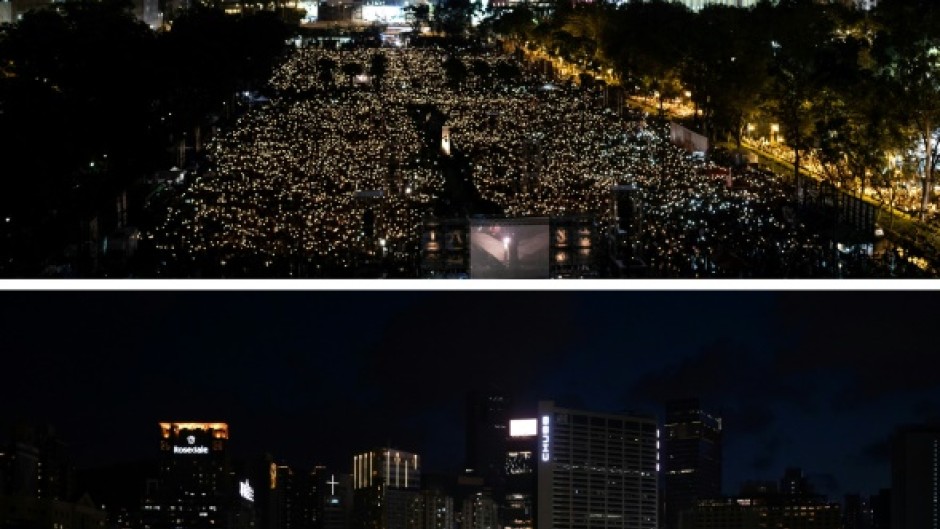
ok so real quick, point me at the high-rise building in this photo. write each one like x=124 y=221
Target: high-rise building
x=487 y=419
x=915 y=478
x=596 y=470
x=857 y=512
x=385 y=483
x=881 y=509
x=37 y=484
x=480 y=511
x=794 y=483
x=520 y=470
x=335 y=500
x=197 y=487
x=432 y=509
x=691 y=458
x=762 y=505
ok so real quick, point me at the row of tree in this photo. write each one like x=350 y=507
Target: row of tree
x=858 y=87
x=90 y=97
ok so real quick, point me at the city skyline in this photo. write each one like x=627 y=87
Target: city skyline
x=316 y=377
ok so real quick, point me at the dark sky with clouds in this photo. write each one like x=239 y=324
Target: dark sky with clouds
x=810 y=379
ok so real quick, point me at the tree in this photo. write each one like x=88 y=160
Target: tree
x=725 y=70
x=325 y=67
x=481 y=71
x=453 y=17
x=517 y=23
x=908 y=50
x=796 y=29
x=378 y=67
x=418 y=15
x=351 y=70
x=646 y=43
x=456 y=71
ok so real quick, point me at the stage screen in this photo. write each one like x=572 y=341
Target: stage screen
x=509 y=248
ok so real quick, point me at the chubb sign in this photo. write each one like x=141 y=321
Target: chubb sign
x=546 y=439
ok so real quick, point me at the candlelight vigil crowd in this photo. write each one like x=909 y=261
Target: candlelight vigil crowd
x=344 y=162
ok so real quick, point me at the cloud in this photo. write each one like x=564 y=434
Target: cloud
x=824 y=483
x=766 y=457
x=733 y=382
x=443 y=346
x=874 y=453
x=880 y=341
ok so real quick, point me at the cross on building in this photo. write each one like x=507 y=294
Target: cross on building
x=332 y=483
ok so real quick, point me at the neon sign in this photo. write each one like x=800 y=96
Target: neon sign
x=245 y=490
x=190 y=449
x=546 y=456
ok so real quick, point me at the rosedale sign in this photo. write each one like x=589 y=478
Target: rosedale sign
x=190 y=449
x=191 y=439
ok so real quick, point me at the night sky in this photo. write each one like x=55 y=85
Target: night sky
x=817 y=380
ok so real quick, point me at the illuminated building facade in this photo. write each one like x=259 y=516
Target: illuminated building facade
x=480 y=511
x=691 y=463
x=520 y=469
x=385 y=485
x=596 y=470
x=432 y=509
x=197 y=488
x=915 y=477
x=336 y=498
x=762 y=512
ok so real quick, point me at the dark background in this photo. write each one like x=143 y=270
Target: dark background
x=811 y=379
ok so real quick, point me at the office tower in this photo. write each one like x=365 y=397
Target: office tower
x=762 y=505
x=432 y=509
x=794 y=483
x=276 y=488
x=761 y=513
x=480 y=511
x=596 y=470
x=38 y=464
x=36 y=484
x=520 y=470
x=197 y=487
x=857 y=512
x=487 y=418
x=691 y=457
x=915 y=455
x=385 y=482
x=881 y=510
x=335 y=499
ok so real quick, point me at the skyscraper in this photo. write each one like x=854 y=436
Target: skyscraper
x=487 y=419
x=520 y=470
x=596 y=470
x=197 y=487
x=691 y=458
x=915 y=459
x=385 y=483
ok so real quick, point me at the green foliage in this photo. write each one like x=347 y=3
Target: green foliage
x=88 y=82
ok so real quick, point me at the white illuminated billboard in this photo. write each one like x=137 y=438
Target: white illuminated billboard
x=523 y=427
x=509 y=248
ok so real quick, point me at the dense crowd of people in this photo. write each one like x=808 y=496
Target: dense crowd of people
x=338 y=165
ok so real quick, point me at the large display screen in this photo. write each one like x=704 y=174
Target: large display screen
x=509 y=248
x=523 y=427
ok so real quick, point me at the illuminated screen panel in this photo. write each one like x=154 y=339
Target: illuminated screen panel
x=523 y=427
x=509 y=248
